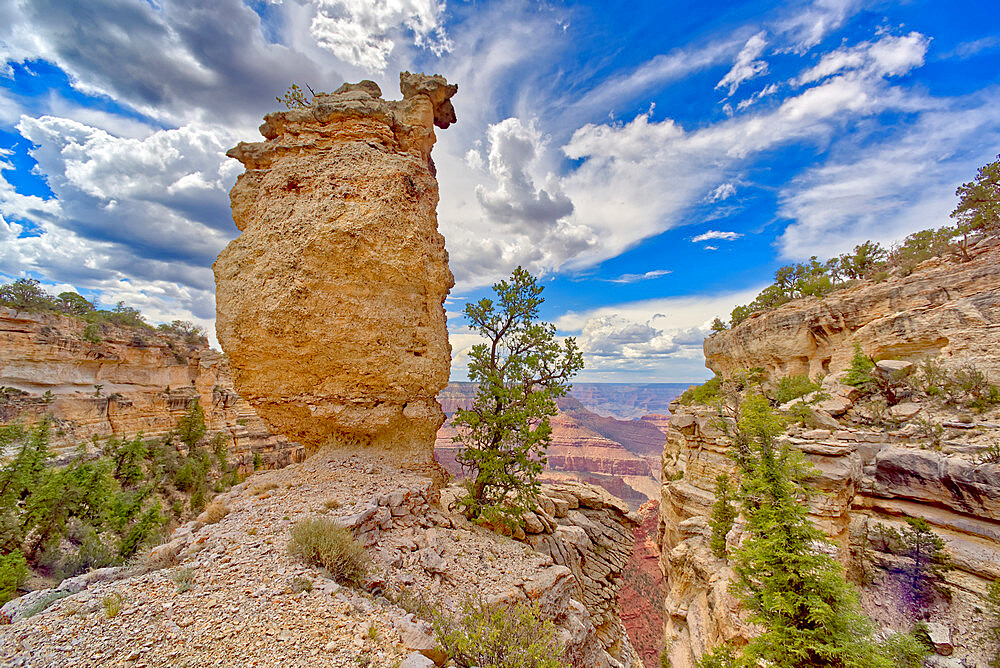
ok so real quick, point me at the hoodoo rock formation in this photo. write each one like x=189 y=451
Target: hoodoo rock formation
x=330 y=301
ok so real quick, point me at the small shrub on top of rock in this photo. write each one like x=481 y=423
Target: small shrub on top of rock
x=323 y=542
x=499 y=636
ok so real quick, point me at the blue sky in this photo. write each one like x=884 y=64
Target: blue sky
x=652 y=162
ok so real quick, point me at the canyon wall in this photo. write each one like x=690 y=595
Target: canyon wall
x=330 y=300
x=121 y=381
x=947 y=309
x=875 y=467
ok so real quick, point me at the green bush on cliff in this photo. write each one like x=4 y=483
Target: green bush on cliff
x=723 y=515
x=61 y=520
x=793 y=387
x=707 y=393
x=499 y=636
x=13 y=571
x=519 y=372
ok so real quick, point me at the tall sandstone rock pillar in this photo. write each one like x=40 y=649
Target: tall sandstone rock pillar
x=330 y=302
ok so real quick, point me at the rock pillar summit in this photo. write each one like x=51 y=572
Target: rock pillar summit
x=330 y=302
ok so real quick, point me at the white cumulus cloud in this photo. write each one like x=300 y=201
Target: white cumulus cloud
x=747 y=65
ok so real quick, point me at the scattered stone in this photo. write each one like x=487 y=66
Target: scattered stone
x=905 y=411
x=893 y=368
x=940 y=636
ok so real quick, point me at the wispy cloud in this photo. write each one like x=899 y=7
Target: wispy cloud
x=635 y=278
x=747 y=65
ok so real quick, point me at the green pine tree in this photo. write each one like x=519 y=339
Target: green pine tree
x=519 y=372
x=794 y=590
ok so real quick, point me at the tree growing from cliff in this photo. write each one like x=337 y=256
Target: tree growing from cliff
x=519 y=370
x=791 y=587
x=723 y=514
x=979 y=201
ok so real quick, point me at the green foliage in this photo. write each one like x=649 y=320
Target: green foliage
x=723 y=656
x=859 y=374
x=519 y=371
x=499 y=636
x=794 y=591
x=13 y=571
x=793 y=387
x=323 y=542
x=921 y=246
x=718 y=325
x=191 y=426
x=979 y=201
x=191 y=333
x=25 y=294
x=927 y=562
x=723 y=514
x=907 y=650
x=295 y=98
x=707 y=393
x=91 y=512
x=92 y=333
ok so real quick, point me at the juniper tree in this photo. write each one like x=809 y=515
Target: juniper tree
x=519 y=370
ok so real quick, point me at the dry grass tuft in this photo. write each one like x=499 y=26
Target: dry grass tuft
x=321 y=541
x=215 y=512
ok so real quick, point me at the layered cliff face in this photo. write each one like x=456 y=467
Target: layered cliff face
x=123 y=382
x=330 y=301
x=948 y=309
x=921 y=453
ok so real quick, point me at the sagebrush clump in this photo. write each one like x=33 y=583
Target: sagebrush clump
x=323 y=542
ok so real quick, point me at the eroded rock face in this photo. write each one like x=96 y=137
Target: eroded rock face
x=944 y=308
x=330 y=301
x=127 y=381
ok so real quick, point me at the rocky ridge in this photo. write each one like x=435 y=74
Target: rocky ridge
x=248 y=602
x=130 y=381
x=920 y=455
x=945 y=309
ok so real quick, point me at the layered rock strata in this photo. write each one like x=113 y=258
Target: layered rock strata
x=945 y=309
x=330 y=301
x=120 y=381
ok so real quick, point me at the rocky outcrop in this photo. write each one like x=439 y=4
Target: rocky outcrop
x=121 y=381
x=330 y=301
x=587 y=530
x=945 y=308
x=246 y=596
x=917 y=452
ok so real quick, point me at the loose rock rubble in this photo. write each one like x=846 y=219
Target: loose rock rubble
x=252 y=604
